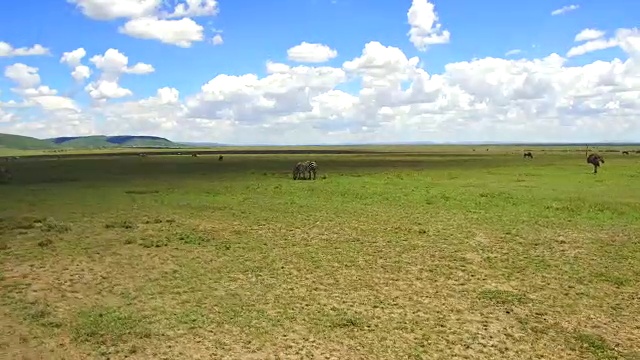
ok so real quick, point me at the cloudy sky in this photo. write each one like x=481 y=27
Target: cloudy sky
x=322 y=71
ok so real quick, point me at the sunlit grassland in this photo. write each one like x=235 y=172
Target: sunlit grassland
x=432 y=149
x=424 y=255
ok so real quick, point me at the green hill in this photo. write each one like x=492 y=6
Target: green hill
x=19 y=142
x=83 y=142
x=101 y=141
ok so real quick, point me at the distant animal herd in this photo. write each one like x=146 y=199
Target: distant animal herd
x=307 y=170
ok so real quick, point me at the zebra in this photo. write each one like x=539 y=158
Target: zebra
x=528 y=154
x=595 y=160
x=312 y=168
x=305 y=167
x=298 y=170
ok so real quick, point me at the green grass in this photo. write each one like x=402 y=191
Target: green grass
x=419 y=253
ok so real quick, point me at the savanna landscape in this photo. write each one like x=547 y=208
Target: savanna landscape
x=412 y=252
x=319 y=179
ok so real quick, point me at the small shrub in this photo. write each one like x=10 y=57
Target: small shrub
x=121 y=224
x=153 y=242
x=52 y=225
x=45 y=243
x=503 y=297
x=191 y=238
x=108 y=326
x=20 y=222
x=158 y=220
x=596 y=345
x=153 y=221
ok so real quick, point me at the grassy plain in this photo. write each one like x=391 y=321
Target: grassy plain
x=434 y=254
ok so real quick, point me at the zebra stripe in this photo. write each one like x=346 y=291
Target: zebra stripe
x=312 y=167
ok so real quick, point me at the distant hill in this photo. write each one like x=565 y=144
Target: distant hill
x=102 y=141
x=84 y=142
x=10 y=141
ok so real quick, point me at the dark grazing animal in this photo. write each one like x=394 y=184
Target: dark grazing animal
x=194 y=155
x=5 y=174
x=625 y=153
x=528 y=154
x=220 y=158
x=595 y=160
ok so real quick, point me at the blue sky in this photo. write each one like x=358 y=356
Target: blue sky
x=257 y=31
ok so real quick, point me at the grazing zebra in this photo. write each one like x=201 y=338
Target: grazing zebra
x=5 y=174
x=142 y=155
x=301 y=169
x=312 y=168
x=308 y=167
x=528 y=154
x=595 y=160
x=220 y=158
x=625 y=153
x=298 y=170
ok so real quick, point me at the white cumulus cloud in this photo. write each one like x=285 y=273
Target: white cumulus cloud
x=311 y=53
x=114 y=9
x=27 y=80
x=74 y=60
x=217 y=39
x=426 y=29
x=7 y=50
x=382 y=93
x=180 y=33
x=589 y=34
x=113 y=64
x=154 y=19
